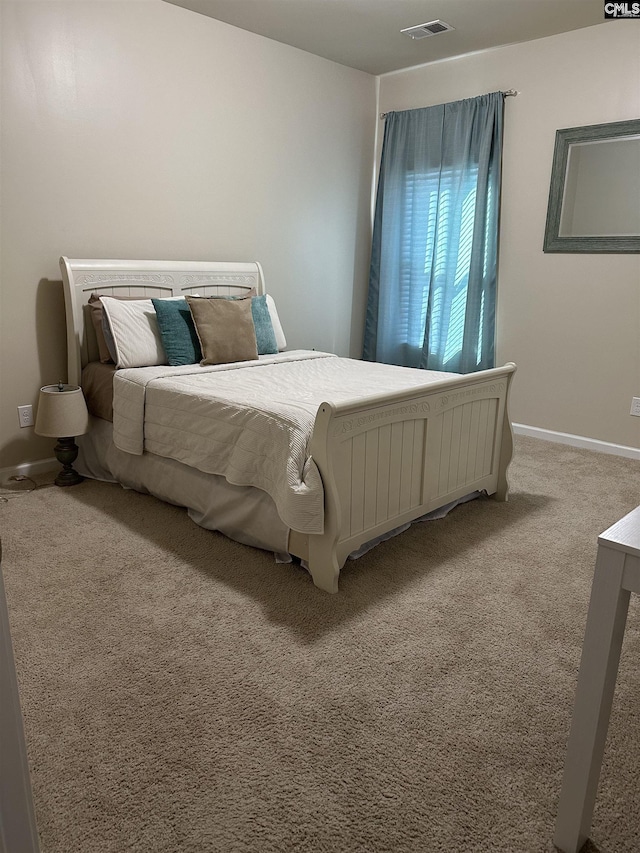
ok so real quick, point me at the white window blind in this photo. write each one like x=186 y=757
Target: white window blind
x=440 y=208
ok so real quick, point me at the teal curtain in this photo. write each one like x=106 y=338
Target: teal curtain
x=432 y=284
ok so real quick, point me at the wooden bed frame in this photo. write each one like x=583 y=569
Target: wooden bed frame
x=384 y=460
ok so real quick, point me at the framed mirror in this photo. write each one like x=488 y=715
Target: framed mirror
x=594 y=198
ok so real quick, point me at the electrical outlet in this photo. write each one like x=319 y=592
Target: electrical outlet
x=635 y=406
x=25 y=416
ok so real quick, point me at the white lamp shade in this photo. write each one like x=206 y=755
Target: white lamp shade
x=62 y=412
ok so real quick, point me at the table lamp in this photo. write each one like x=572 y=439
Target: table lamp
x=62 y=414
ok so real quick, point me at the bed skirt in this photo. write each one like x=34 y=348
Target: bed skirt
x=243 y=513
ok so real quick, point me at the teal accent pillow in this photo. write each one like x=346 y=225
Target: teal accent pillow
x=178 y=331
x=265 y=336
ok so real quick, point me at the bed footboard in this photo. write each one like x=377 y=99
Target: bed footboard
x=388 y=460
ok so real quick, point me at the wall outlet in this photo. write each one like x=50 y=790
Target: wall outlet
x=25 y=416
x=635 y=406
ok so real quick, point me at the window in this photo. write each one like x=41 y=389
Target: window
x=432 y=279
x=444 y=211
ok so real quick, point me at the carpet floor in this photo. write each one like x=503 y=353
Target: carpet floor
x=182 y=692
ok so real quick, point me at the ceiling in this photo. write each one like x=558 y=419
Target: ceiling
x=365 y=34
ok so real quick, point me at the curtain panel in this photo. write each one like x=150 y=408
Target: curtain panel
x=432 y=283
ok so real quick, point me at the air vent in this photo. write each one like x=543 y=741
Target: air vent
x=423 y=31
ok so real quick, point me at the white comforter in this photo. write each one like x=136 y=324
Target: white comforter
x=249 y=421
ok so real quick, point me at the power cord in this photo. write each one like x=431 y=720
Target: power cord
x=9 y=494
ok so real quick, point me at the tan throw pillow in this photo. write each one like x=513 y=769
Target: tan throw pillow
x=225 y=329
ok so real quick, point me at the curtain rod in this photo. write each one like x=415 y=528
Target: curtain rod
x=510 y=93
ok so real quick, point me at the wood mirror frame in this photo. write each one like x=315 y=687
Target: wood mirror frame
x=565 y=138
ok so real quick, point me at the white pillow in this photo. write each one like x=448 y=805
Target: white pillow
x=135 y=331
x=275 y=322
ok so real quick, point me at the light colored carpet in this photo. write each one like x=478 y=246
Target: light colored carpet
x=182 y=692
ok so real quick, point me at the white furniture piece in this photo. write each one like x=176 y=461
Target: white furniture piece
x=384 y=460
x=18 y=828
x=616 y=575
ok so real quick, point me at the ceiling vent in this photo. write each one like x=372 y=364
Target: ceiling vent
x=423 y=31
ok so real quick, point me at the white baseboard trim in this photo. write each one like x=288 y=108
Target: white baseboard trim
x=26 y=469
x=577 y=441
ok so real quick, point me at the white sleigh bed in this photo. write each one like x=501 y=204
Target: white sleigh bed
x=383 y=459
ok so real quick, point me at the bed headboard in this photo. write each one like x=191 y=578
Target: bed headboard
x=145 y=279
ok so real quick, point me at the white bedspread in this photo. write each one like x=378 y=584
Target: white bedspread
x=249 y=421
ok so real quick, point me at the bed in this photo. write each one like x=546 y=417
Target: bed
x=379 y=452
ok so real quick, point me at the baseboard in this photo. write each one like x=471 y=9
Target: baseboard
x=577 y=441
x=27 y=469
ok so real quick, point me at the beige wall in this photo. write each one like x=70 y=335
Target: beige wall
x=570 y=322
x=142 y=130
